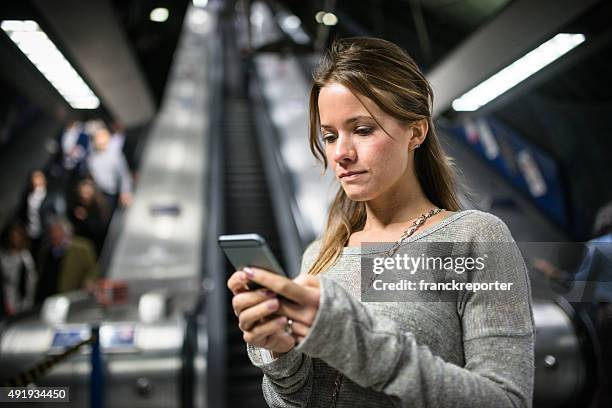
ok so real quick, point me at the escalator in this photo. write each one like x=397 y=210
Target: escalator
x=248 y=209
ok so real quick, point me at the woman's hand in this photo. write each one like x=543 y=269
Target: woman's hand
x=301 y=297
x=256 y=315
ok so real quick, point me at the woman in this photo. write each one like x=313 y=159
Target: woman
x=17 y=270
x=321 y=346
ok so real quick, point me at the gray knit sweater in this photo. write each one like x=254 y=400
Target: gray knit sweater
x=476 y=352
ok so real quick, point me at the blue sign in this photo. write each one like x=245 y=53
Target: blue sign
x=527 y=167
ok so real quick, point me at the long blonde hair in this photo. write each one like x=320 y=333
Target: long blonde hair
x=386 y=74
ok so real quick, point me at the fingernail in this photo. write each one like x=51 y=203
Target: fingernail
x=281 y=321
x=248 y=272
x=272 y=304
x=243 y=277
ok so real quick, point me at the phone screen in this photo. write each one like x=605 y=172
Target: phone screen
x=244 y=250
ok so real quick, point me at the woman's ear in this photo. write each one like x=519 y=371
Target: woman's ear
x=419 y=133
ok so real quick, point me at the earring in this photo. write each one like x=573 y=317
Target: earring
x=417 y=146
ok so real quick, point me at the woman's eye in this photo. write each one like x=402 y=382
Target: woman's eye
x=329 y=137
x=364 y=131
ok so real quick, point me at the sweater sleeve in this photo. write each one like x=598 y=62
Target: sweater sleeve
x=372 y=351
x=288 y=379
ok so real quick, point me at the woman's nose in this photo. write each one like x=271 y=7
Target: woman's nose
x=345 y=150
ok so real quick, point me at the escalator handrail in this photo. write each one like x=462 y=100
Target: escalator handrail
x=292 y=228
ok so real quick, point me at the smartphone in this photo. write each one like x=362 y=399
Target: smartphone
x=249 y=250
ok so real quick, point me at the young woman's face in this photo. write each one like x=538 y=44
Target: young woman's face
x=364 y=158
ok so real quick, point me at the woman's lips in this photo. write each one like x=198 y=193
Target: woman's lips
x=352 y=175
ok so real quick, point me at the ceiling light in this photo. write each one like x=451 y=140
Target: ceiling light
x=292 y=26
x=200 y=3
x=199 y=20
x=329 y=19
x=159 y=14
x=517 y=72
x=41 y=51
x=319 y=17
x=290 y=22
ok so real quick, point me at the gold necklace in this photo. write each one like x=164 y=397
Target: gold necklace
x=415 y=226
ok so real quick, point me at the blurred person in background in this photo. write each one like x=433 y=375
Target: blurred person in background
x=108 y=168
x=3 y=312
x=75 y=145
x=117 y=138
x=89 y=213
x=595 y=267
x=18 y=272
x=66 y=262
x=38 y=204
x=602 y=228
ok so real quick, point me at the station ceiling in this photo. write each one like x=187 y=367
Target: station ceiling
x=565 y=110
